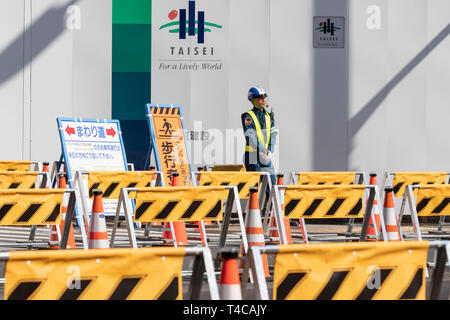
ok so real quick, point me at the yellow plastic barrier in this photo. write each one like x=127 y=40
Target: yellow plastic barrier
x=325 y=202
x=402 y=179
x=326 y=178
x=15 y=165
x=103 y=274
x=170 y=204
x=30 y=207
x=228 y=167
x=180 y=204
x=243 y=180
x=315 y=202
x=425 y=201
x=110 y=182
x=36 y=207
x=347 y=271
x=18 y=179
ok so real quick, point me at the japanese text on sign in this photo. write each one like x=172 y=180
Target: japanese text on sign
x=170 y=144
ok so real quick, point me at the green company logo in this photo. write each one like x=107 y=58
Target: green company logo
x=187 y=24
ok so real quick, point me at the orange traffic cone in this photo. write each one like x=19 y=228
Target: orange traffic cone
x=229 y=283
x=376 y=213
x=98 y=234
x=46 y=168
x=53 y=235
x=273 y=231
x=152 y=184
x=62 y=184
x=390 y=217
x=253 y=227
x=206 y=222
x=178 y=226
x=199 y=175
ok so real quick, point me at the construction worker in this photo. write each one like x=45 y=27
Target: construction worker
x=260 y=135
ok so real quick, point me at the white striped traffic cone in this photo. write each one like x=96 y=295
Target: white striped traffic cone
x=153 y=183
x=376 y=213
x=53 y=238
x=254 y=229
x=390 y=217
x=98 y=234
x=229 y=284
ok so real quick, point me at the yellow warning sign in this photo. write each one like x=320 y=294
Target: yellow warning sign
x=170 y=142
x=351 y=271
x=402 y=179
x=326 y=178
x=100 y=274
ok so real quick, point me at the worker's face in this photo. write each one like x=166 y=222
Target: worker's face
x=260 y=102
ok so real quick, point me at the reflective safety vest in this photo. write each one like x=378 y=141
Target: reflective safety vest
x=259 y=133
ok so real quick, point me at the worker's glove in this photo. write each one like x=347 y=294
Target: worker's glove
x=273 y=132
x=265 y=157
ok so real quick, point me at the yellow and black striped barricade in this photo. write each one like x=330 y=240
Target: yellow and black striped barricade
x=326 y=202
x=16 y=165
x=228 y=167
x=110 y=182
x=14 y=179
x=243 y=180
x=169 y=204
x=326 y=178
x=399 y=181
x=106 y=274
x=425 y=201
x=36 y=207
x=23 y=179
x=347 y=271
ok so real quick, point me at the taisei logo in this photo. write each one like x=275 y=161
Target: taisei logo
x=187 y=23
x=327 y=27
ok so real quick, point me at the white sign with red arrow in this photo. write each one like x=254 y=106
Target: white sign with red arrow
x=90 y=131
x=92 y=146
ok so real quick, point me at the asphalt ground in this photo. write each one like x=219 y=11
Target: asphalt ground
x=20 y=234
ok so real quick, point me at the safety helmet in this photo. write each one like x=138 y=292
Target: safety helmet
x=256 y=92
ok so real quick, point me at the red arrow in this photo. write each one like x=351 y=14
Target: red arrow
x=110 y=132
x=70 y=130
